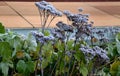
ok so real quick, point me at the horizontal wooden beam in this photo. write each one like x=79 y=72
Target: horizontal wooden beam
x=64 y=0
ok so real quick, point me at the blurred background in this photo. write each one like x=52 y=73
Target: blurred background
x=24 y=13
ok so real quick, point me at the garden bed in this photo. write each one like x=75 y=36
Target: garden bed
x=76 y=49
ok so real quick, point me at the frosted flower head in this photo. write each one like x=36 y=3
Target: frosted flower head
x=50 y=8
x=68 y=53
x=100 y=52
x=64 y=26
x=44 y=2
x=80 y=9
x=66 y=12
x=50 y=38
x=90 y=53
x=37 y=34
x=84 y=30
x=57 y=33
x=41 y=38
x=86 y=15
x=58 y=13
x=45 y=6
x=41 y=7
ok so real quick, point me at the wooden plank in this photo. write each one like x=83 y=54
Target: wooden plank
x=64 y=0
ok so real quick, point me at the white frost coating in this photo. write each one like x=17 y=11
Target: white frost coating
x=45 y=6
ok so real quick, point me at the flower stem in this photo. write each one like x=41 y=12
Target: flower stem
x=72 y=69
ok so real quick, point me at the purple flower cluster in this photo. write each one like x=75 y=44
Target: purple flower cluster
x=45 y=6
x=84 y=30
x=100 y=52
x=76 y=18
x=80 y=9
x=80 y=22
x=90 y=53
x=68 y=53
x=41 y=38
x=57 y=33
x=62 y=30
x=64 y=27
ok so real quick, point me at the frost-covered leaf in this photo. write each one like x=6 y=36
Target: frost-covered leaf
x=16 y=43
x=4 y=67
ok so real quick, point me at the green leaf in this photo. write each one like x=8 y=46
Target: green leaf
x=79 y=56
x=118 y=73
x=118 y=42
x=62 y=67
x=21 y=66
x=25 y=68
x=30 y=66
x=114 y=69
x=110 y=49
x=46 y=33
x=70 y=44
x=2 y=28
x=106 y=70
x=14 y=53
x=44 y=63
x=30 y=43
x=4 y=67
x=60 y=46
x=84 y=70
x=27 y=56
x=5 y=51
x=16 y=42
